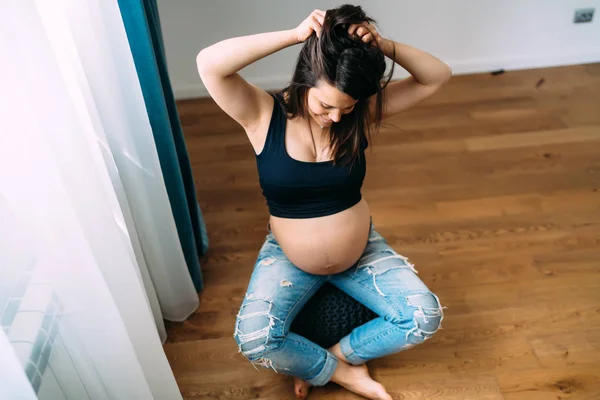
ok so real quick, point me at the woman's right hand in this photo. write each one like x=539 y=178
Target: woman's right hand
x=314 y=23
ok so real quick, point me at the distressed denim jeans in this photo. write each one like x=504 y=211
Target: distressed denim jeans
x=382 y=280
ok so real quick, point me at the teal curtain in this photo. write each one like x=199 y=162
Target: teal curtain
x=142 y=25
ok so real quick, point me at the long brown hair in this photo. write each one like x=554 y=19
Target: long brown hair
x=353 y=67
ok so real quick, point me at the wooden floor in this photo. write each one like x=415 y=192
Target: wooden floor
x=491 y=188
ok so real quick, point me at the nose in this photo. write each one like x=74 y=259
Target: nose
x=335 y=116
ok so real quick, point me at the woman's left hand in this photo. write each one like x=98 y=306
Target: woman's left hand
x=365 y=32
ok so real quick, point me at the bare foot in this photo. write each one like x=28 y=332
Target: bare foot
x=301 y=388
x=337 y=350
x=356 y=378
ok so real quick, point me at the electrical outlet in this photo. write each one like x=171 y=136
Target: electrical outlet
x=583 y=15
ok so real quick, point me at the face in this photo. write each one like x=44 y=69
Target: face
x=327 y=104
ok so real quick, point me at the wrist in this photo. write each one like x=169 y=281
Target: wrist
x=292 y=37
x=387 y=46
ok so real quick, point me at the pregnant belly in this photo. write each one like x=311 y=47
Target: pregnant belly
x=324 y=245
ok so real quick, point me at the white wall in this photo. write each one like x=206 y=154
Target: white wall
x=472 y=36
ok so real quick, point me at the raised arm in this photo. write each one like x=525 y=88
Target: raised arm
x=428 y=73
x=219 y=64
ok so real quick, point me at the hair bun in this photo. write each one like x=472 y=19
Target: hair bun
x=356 y=67
x=335 y=28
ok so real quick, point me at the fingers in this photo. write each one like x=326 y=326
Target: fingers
x=316 y=25
x=364 y=32
x=359 y=31
x=352 y=29
x=320 y=18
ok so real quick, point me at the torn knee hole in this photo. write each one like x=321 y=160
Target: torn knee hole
x=427 y=316
x=386 y=261
x=253 y=326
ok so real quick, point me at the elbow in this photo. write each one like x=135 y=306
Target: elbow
x=442 y=76
x=202 y=62
x=205 y=62
x=445 y=74
x=438 y=76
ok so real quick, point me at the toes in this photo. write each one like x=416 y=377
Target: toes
x=382 y=393
x=300 y=388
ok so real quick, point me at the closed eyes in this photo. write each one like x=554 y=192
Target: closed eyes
x=328 y=107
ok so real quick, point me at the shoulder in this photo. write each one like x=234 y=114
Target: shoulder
x=272 y=118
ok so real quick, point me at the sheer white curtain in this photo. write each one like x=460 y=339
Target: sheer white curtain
x=89 y=254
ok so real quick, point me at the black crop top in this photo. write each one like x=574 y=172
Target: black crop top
x=300 y=189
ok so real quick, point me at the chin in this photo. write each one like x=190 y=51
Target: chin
x=319 y=119
x=324 y=122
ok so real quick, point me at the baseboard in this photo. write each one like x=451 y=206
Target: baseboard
x=519 y=62
x=458 y=67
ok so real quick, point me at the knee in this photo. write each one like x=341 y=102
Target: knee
x=427 y=316
x=257 y=331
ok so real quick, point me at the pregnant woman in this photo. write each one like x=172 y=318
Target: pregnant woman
x=310 y=142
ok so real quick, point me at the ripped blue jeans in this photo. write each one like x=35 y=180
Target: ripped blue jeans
x=382 y=280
